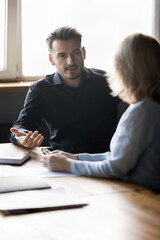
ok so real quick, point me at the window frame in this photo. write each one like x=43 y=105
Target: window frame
x=156 y=19
x=13 y=47
x=13 y=72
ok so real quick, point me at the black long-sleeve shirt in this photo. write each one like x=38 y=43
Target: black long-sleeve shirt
x=79 y=119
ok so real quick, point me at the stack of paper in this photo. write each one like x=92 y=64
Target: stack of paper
x=28 y=194
x=21 y=183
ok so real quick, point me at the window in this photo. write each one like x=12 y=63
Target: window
x=103 y=24
x=10 y=59
x=2 y=34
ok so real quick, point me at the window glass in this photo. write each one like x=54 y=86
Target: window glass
x=102 y=23
x=2 y=33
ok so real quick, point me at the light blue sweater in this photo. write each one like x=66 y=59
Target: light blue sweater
x=134 y=149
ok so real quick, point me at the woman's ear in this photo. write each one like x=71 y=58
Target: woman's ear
x=51 y=59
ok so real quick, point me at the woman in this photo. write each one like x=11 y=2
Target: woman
x=134 y=154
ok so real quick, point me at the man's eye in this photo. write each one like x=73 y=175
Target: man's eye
x=76 y=52
x=62 y=56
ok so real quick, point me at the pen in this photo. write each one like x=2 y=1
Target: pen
x=22 y=137
x=46 y=151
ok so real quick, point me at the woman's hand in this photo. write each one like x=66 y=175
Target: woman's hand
x=57 y=161
x=69 y=155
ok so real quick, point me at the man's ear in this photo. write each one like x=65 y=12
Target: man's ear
x=84 y=52
x=51 y=59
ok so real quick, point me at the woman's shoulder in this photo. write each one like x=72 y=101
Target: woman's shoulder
x=146 y=112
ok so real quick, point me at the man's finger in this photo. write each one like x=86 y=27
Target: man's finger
x=39 y=141
x=32 y=141
x=27 y=137
x=16 y=132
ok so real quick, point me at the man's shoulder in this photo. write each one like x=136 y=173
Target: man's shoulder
x=94 y=72
x=47 y=80
x=99 y=82
x=98 y=72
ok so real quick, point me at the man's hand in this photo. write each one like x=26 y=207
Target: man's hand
x=28 y=140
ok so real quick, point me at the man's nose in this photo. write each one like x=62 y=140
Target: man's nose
x=70 y=60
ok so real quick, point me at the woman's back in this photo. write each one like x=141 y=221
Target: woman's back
x=147 y=170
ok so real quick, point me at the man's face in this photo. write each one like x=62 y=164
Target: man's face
x=68 y=57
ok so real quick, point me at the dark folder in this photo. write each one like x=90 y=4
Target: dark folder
x=37 y=201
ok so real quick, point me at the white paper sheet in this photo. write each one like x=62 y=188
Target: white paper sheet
x=39 y=171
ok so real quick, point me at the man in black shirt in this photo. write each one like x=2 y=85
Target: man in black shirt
x=75 y=102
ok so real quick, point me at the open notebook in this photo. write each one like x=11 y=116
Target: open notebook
x=12 y=154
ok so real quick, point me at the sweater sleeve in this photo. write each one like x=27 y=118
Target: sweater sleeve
x=92 y=157
x=132 y=136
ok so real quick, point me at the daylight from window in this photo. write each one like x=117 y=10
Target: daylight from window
x=103 y=24
x=2 y=34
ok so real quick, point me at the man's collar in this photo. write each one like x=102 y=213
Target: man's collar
x=57 y=79
x=86 y=73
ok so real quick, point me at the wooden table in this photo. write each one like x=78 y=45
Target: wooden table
x=116 y=211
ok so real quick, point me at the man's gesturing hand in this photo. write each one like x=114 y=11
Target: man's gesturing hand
x=28 y=140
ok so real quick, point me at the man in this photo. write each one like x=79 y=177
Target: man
x=75 y=102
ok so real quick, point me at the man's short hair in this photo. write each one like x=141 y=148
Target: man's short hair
x=63 y=33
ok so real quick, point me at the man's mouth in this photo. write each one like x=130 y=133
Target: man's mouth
x=74 y=67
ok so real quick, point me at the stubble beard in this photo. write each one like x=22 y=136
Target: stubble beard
x=76 y=76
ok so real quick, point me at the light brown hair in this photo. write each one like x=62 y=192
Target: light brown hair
x=137 y=69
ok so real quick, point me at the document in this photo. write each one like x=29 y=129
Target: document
x=45 y=173
x=21 y=183
x=35 y=171
x=37 y=200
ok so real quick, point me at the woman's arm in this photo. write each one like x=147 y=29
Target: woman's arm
x=133 y=135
